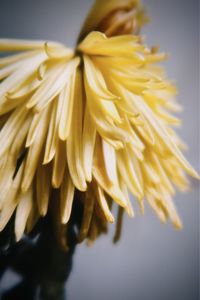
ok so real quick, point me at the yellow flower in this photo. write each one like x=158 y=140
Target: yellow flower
x=98 y=121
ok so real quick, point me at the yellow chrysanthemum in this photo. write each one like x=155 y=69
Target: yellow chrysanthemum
x=97 y=120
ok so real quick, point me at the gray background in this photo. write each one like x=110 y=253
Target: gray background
x=152 y=261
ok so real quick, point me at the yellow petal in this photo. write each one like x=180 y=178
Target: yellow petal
x=66 y=198
x=10 y=202
x=11 y=59
x=23 y=210
x=32 y=218
x=112 y=190
x=59 y=164
x=67 y=99
x=25 y=90
x=52 y=136
x=7 y=45
x=87 y=215
x=74 y=141
x=109 y=157
x=128 y=208
x=159 y=212
x=20 y=75
x=7 y=172
x=163 y=134
x=126 y=169
x=58 y=52
x=43 y=188
x=96 y=43
x=170 y=207
x=52 y=85
x=104 y=206
x=11 y=127
x=89 y=137
x=34 y=152
x=95 y=96
x=96 y=80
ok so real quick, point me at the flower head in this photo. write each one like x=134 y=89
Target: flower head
x=98 y=121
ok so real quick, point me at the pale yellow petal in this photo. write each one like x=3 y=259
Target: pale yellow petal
x=11 y=128
x=112 y=190
x=87 y=215
x=129 y=209
x=104 y=205
x=22 y=212
x=11 y=59
x=35 y=150
x=7 y=45
x=66 y=198
x=59 y=164
x=126 y=168
x=159 y=212
x=74 y=141
x=163 y=135
x=96 y=80
x=32 y=218
x=96 y=43
x=58 y=52
x=89 y=137
x=10 y=202
x=52 y=136
x=43 y=188
x=21 y=74
x=109 y=157
x=67 y=99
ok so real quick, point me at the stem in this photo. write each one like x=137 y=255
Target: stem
x=44 y=266
x=57 y=264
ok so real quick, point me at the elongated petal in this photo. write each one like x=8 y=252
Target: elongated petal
x=10 y=129
x=22 y=45
x=109 y=156
x=53 y=85
x=20 y=75
x=104 y=206
x=23 y=210
x=112 y=190
x=43 y=188
x=96 y=80
x=87 y=215
x=164 y=136
x=11 y=201
x=126 y=169
x=59 y=164
x=34 y=152
x=11 y=59
x=67 y=97
x=89 y=137
x=52 y=137
x=74 y=141
x=66 y=198
x=96 y=43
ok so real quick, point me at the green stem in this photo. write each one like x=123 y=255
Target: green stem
x=44 y=266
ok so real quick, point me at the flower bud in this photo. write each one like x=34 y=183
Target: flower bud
x=114 y=17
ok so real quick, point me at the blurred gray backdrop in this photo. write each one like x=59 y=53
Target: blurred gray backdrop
x=152 y=261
